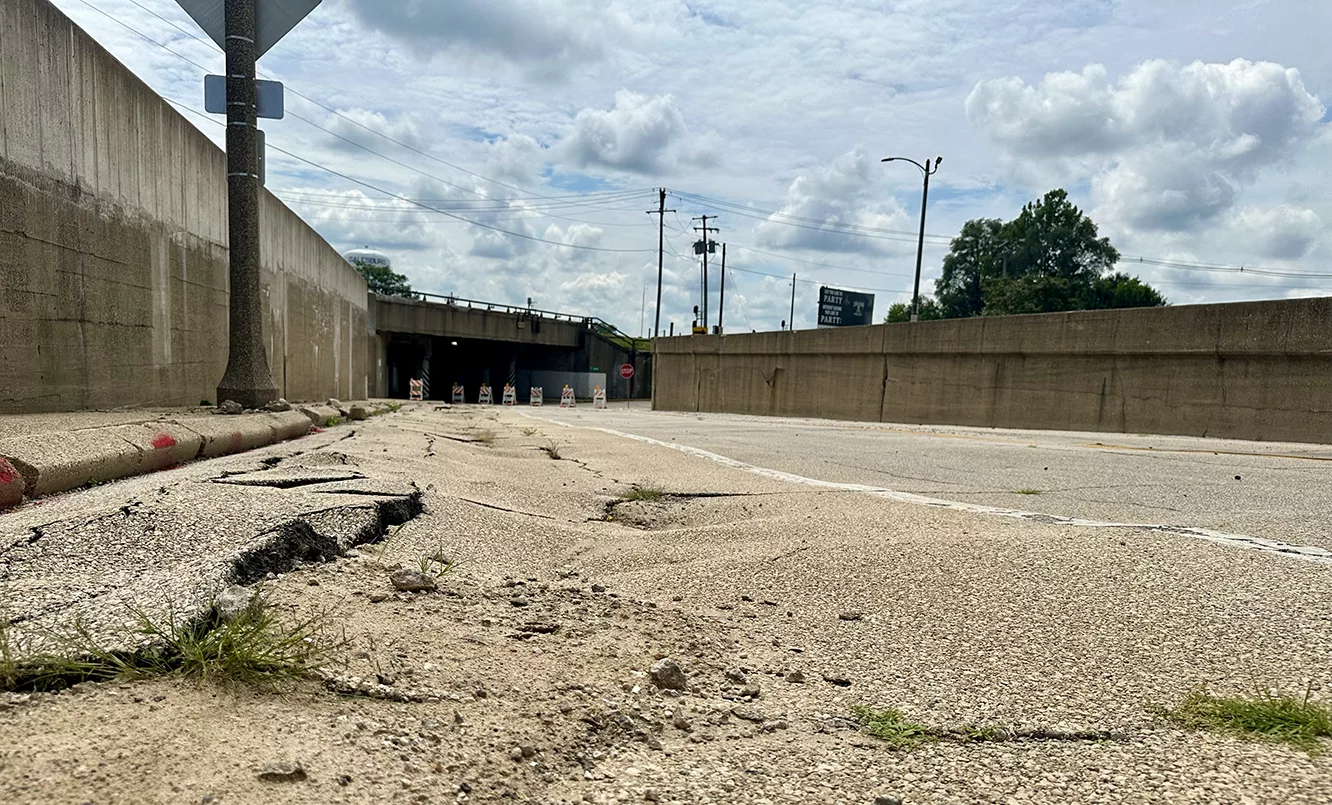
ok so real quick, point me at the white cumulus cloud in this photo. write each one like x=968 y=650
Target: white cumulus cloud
x=851 y=190
x=1166 y=147
x=639 y=134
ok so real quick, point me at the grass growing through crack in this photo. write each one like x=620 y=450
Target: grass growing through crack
x=1029 y=492
x=529 y=431
x=894 y=728
x=251 y=648
x=334 y=421
x=552 y=449
x=484 y=436
x=644 y=492
x=1277 y=717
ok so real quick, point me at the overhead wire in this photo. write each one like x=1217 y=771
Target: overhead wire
x=365 y=184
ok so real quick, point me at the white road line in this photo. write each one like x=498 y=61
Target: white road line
x=1306 y=552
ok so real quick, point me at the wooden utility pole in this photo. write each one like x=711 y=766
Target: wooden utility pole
x=707 y=245
x=661 y=250
x=721 y=308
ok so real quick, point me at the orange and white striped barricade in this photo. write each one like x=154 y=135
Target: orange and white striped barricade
x=417 y=392
x=458 y=396
x=538 y=396
x=567 y=399
x=599 y=398
x=485 y=397
x=510 y=395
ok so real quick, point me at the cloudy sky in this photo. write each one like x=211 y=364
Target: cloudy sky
x=532 y=135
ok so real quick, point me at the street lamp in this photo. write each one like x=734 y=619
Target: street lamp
x=928 y=170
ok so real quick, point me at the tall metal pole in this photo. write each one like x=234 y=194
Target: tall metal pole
x=920 y=246
x=793 y=284
x=247 y=379
x=721 y=308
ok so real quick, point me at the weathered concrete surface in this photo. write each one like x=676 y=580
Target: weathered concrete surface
x=113 y=233
x=1252 y=370
x=395 y=315
x=544 y=634
x=50 y=461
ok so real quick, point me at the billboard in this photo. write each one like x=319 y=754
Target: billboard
x=838 y=308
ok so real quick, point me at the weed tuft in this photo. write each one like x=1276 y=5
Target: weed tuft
x=394 y=407
x=529 y=431
x=552 y=448
x=333 y=422
x=484 y=436
x=893 y=728
x=1294 y=720
x=644 y=492
x=249 y=648
x=1030 y=492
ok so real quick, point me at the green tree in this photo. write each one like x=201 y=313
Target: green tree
x=901 y=311
x=1050 y=258
x=383 y=280
x=971 y=258
x=1120 y=290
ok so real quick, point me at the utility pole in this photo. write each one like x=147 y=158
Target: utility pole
x=661 y=250
x=247 y=379
x=721 y=308
x=707 y=246
x=793 y=284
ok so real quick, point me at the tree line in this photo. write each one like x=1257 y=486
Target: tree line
x=1048 y=259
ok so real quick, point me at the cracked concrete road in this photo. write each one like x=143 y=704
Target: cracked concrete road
x=1272 y=491
x=525 y=677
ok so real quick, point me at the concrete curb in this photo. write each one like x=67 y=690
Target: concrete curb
x=47 y=463
x=11 y=485
x=55 y=462
x=320 y=415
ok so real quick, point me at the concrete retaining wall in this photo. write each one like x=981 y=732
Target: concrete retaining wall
x=1253 y=370
x=113 y=244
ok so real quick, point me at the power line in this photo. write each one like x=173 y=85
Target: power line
x=802 y=222
x=391 y=194
x=328 y=109
x=352 y=142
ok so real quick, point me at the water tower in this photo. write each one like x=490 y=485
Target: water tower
x=368 y=257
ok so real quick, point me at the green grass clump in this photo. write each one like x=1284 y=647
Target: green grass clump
x=1029 y=492
x=894 y=728
x=645 y=492
x=249 y=648
x=552 y=449
x=529 y=431
x=333 y=422
x=1294 y=720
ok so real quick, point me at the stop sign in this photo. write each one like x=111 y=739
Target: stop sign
x=627 y=371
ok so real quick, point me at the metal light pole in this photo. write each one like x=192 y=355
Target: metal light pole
x=247 y=380
x=928 y=170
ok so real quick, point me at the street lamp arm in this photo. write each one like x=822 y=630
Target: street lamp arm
x=906 y=159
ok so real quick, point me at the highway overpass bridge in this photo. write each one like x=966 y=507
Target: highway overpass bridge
x=447 y=339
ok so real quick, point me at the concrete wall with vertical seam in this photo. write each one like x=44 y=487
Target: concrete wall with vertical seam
x=113 y=244
x=1250 y=370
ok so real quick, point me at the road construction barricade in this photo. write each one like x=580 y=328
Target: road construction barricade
x=599 y=398
x=485 y=397
x=567 y=399
x=538 y=396
x=510 y=395
x=417 y=392
x=458 y=396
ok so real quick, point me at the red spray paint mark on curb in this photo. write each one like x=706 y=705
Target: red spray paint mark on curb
x=164 y=441
x=8 y=474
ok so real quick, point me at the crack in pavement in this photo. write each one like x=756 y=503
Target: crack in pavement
x=1307 y=553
